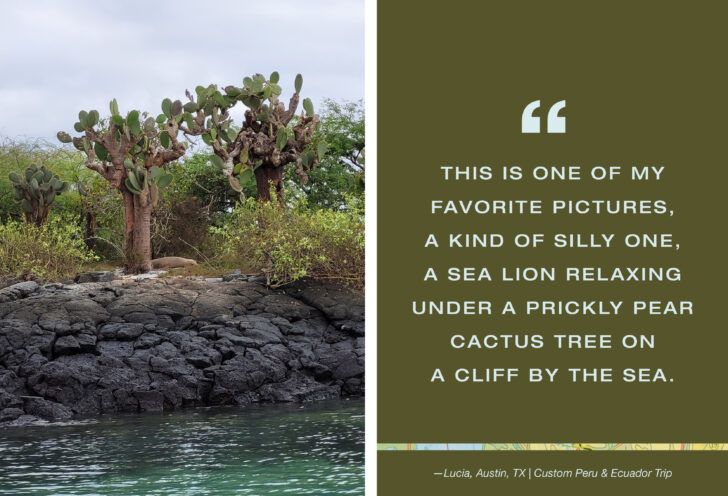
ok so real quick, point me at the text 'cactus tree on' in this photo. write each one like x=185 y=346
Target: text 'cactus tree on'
x=36 y=190
x=270 y=137
x=132 y=155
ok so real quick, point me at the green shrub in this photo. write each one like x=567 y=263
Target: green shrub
x=290 y=244
x=50 y=252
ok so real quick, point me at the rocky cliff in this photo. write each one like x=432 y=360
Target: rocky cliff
x=69 y=351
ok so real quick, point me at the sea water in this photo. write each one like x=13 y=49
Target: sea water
x=291 y=449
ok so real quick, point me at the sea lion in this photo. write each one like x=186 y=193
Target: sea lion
x=172 y=262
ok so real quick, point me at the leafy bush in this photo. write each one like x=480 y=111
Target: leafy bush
x=102 y=218
x=180 y=228
x=290 y=244
x=53 y=251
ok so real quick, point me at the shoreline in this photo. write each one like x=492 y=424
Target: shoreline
x=69 y=351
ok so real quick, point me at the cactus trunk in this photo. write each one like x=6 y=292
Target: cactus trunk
x=88 y=217
x=39 y=216
x=269 y=176
x=138 y=215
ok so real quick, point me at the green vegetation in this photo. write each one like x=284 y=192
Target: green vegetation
x=290 y=244
x=270 y=138
x=132 y=154
x=36 y=191
x=52 y=251
x=341 y=171
x=17 y=155
x=224 y=221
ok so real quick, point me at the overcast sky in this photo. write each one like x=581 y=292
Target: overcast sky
x=61 y=57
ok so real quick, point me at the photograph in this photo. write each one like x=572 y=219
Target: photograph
x=182 y=248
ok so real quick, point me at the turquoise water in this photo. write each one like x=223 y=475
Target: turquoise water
x=317 y=449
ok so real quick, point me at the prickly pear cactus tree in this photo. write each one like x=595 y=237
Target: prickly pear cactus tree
x=36 y=190
x=133 y=154
x=270 y=138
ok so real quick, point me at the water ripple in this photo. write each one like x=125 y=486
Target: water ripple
x=318 y=449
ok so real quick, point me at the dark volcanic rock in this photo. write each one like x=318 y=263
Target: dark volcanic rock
x=67 y=345
x=17 y=291
x=84 y=349
x=104 y=276
x=10 y=414
x=48 y=410
x=235 y=275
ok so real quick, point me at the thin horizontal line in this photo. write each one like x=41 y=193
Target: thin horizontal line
x=552 y=447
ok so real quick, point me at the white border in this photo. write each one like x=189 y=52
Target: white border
x=370 y=78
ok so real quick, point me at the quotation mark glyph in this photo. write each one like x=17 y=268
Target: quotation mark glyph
x=554 y=124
